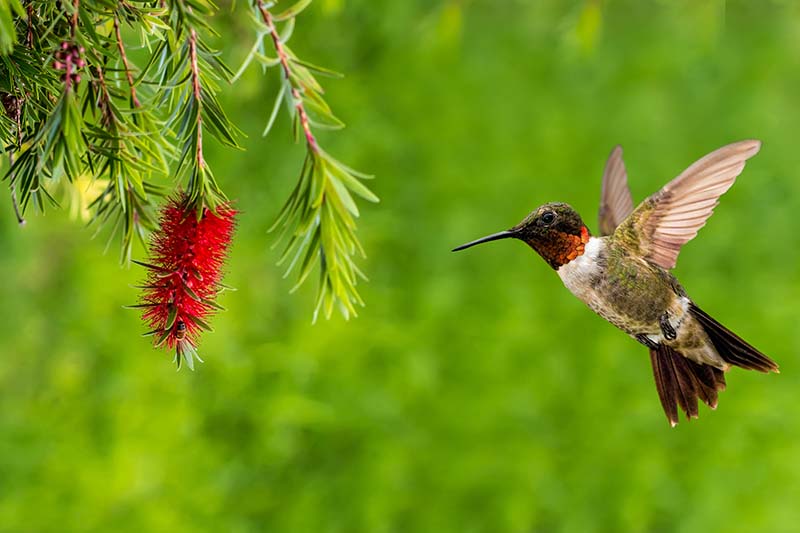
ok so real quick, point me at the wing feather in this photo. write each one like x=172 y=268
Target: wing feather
x=615 y=197
x=670 y=218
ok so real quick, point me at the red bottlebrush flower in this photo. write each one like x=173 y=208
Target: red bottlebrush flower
x=184 y=273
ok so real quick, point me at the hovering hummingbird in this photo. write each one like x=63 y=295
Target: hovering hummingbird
x=624 y=274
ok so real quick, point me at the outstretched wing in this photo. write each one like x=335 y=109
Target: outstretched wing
x=671 y=217
x=615 y=197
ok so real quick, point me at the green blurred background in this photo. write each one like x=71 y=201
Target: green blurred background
x=473 y=393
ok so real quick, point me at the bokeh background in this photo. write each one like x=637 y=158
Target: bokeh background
x=473 y=393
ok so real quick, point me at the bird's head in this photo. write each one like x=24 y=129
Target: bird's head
x=554 y=230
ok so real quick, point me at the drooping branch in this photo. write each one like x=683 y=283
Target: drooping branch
x=319 y=216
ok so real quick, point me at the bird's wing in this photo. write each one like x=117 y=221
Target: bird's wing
x=671 y=217
x=615 y=197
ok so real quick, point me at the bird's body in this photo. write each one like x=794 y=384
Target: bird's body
x=639 y=298
x=624 y=274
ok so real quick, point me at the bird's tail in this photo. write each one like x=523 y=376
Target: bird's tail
x=730 y=346
x=681 y=382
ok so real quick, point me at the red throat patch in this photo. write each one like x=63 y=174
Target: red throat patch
x=559 y=248
x=562 y=248
x=576 y=245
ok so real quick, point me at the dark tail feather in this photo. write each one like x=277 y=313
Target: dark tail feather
x=680 y=382
x=730 y=346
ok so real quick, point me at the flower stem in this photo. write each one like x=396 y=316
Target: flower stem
x=124 y=58
x=197 y=96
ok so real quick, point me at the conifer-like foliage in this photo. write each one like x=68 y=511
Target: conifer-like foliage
x=83 y=122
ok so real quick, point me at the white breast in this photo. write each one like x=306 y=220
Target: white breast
x=577 y=274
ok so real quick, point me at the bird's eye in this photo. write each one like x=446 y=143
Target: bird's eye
x=548 y=218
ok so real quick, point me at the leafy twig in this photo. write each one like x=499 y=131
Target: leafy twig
x=319 y=215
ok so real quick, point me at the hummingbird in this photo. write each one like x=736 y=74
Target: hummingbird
x=624 y=275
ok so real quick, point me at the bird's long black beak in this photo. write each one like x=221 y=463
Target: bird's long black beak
x=508 y=234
